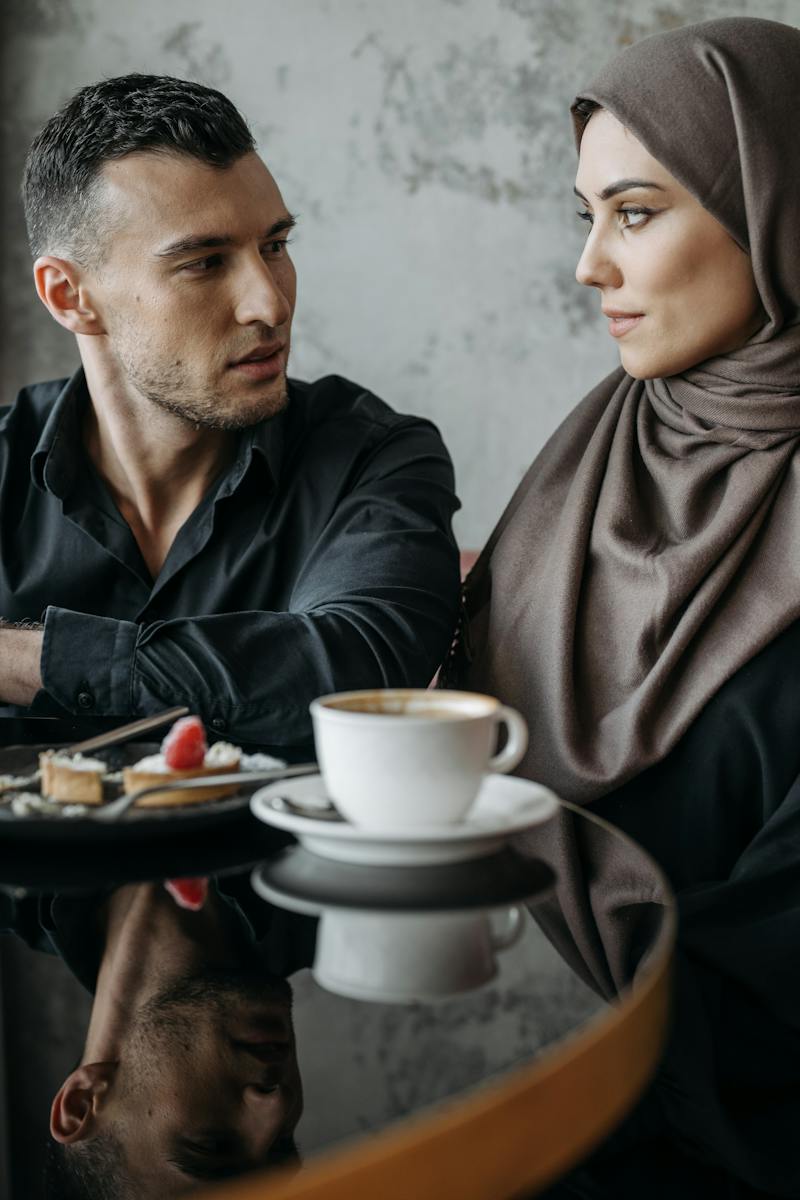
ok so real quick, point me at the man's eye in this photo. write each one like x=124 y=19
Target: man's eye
x=277 y=248
x=199 y=265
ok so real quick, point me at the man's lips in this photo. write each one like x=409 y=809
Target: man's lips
x=265 y=362
x=620 y=323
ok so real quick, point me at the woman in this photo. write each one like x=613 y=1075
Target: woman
x=639 y=599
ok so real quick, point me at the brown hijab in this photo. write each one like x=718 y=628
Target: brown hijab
x=654 y=546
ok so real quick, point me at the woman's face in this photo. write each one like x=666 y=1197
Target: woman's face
x=674 y=285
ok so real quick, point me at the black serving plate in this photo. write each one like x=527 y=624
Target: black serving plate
x=135 y=823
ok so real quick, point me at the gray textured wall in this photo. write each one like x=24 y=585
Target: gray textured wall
x=426 y=146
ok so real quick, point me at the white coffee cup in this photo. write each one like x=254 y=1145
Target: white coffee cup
x=402 y=957
x=399 y=757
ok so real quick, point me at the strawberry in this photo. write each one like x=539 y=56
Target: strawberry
x=185 y=745
x=188 y=893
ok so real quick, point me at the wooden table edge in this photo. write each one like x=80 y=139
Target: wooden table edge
x=512 y=1135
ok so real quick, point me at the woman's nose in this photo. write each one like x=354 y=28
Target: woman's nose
x=596 y=266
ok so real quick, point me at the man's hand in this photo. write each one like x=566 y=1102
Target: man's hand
x=20 y=656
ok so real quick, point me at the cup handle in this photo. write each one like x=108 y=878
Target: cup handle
x=503 y=938
x=517 y=742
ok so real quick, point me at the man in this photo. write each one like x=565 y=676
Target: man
x=189 y=526
x=189 y=1069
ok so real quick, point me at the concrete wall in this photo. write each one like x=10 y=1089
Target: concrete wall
x=426 y=146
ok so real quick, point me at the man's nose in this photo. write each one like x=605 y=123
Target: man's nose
x=266 y=1114
x=596 y=266
x=261 y=299
x=276 y=1100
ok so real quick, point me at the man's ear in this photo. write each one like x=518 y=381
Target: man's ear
x=74 y=1111
x=65 y=295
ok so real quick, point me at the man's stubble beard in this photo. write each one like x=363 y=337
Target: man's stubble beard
x=166 y=1021
x=169 y=389
x=203 y=412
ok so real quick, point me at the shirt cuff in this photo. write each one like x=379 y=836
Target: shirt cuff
x=87 y=661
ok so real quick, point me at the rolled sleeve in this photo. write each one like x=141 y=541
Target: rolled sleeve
x=88 y=661
x=342 y=573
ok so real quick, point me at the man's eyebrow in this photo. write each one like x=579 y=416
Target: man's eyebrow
x=189 y=245
x=621 y=185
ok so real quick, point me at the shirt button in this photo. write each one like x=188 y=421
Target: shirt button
x=218 y=723
x=85 y=700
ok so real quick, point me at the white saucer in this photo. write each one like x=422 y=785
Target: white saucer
x=504 y=806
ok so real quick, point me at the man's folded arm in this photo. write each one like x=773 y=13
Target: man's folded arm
x=20 y=655
x=373 y=605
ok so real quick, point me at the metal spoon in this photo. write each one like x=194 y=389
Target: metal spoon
x=326 y=811
x=111 y=738
x=117 y=808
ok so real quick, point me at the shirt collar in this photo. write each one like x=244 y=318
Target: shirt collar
x=265 y=440
x=54 y=463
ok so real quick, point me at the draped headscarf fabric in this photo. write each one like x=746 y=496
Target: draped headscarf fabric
x=653 y=548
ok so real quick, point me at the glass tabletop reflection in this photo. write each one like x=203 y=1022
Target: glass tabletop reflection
x=289 y=1003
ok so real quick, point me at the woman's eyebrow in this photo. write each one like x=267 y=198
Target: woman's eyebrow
x=621 y=185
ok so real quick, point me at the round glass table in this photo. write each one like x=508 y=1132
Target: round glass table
x=297 y=1026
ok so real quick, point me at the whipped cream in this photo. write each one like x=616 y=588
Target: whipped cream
x=28 y=804
x=9 y=782
x=221 y=754
x=76 y=762
x=260 y=762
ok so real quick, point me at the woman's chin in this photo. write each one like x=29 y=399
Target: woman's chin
x=652 y=366
x=637 y=369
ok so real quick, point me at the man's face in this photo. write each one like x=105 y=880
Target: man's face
x=194 y=286
x=208 y=1085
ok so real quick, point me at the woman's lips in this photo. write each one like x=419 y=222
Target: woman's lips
x=621 y=323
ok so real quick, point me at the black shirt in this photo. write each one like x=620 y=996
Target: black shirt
x=721 y=814
x=66 y=924
x=321 y=560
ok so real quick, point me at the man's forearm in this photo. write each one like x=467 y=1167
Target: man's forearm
x=20 y=658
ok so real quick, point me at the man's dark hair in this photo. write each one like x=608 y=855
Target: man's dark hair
x=90 y=1170
x=106 y=121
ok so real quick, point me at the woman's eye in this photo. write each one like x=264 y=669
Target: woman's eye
x=630 y=218
x=585 y=215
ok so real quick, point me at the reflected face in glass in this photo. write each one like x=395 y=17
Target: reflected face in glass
x=208 y=1085
x=675 y=287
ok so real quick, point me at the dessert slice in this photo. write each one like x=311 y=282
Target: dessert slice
x=71 y=778
x=184 y=755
